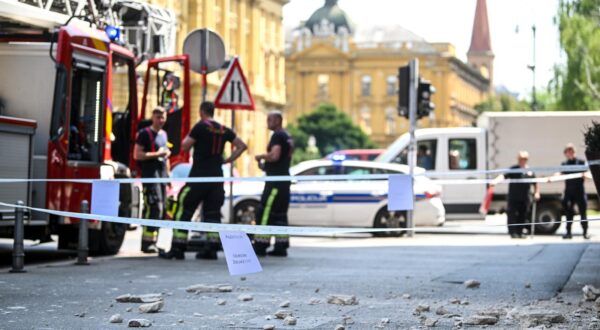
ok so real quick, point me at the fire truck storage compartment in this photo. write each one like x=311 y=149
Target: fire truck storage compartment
x=27 y=92
x=15 y=163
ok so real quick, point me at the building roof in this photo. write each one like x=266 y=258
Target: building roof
x=481 y=41
x=332 y=13
x=384 y=34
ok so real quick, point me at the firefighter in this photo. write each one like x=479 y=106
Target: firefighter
x=574 y=193
x=208 y=139
x=169 y=96
x=275 y=199
x=152 y=154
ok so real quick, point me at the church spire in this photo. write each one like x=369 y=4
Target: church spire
x=480 y=38
x=480 y=54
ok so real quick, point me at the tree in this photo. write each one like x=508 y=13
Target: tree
x=332 y=129
x=502 y=102
x=578 y=81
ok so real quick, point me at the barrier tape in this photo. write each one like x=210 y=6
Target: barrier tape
x=254 y=229
x=336 y=177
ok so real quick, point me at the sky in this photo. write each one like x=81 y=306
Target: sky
x=452 y=21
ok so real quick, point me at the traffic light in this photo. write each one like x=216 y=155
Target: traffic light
x=403 y=91
x=424 y=94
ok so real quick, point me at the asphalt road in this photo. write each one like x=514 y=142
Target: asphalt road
x=390 y=278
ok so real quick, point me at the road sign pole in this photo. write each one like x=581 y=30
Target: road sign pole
x=203 y=63
x=412 y=156
x=231 y=215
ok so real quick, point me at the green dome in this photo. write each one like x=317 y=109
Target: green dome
x=333 y=14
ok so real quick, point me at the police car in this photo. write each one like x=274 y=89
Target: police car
x=343 y=203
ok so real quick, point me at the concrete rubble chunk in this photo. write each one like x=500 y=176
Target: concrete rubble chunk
x=285 y=304
x=283 y=313
x=268 y=327
x=472 y=284
x=481 y=320
x=144 y=298
x=290 y=320
x=245 y=297
x=597 y=304
x=527 y=285
x=430 y=322
x=314 y=301
x=531 y=317
x=154 y=307
x=139 y=323
x=203 y=288
x=495 y=312
x=422 y=308
x=441 y=311
x=340 y=327
x=590 y=292
x=455 y=301
x=221 y=302
x=341 y=299
x=406 y=296
x=117 y=318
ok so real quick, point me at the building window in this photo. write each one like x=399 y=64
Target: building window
x=390 y=121
x=365 y=86
x=365 y=119
x=391 y=85
x=323 y=84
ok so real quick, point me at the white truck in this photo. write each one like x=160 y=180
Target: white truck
x=462 y=153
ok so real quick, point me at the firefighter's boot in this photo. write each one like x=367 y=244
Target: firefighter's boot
x=177 y=252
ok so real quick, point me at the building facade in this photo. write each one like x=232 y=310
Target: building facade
x=329 y=60
x=253 y=31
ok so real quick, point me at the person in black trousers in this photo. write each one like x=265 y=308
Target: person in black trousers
x=152 y=153
x=207 y=138
x=275 y=198
x=574 y=193
x=519 y=196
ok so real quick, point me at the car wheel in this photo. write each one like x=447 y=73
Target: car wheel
x=547 y=212
x=245 y=212
x=389 y=219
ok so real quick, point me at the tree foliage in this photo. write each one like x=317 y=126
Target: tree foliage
x=502 y=102
x=578 y=82
x=332 y=129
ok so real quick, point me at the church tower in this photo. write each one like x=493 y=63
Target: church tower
x=480 y=54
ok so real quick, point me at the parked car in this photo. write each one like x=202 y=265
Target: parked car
x=355 y=154
x=341 y=203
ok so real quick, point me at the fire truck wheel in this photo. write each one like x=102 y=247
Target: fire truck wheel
x=108 y=240
x=67 y=238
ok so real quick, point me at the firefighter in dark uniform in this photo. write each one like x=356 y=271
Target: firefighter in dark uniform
x=152 y=154
x=208 y=139
x=574 y=194
x=519 y=196
x=275 y=199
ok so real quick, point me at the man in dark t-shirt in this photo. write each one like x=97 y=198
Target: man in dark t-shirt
x=151 y=152
x=519 y=196
x=574 y=193
x=208 y=139
x=275 y=199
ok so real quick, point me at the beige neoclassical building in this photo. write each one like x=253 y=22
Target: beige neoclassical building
x=331 y=59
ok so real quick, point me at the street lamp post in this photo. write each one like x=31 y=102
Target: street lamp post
x=531 y=67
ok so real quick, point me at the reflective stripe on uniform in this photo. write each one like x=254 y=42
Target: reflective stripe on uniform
x=265 y=216
x=180 y=202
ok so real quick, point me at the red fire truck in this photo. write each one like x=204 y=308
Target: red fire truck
x=69 y=110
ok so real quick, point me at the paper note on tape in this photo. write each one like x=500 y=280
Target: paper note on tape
x=400 y=193
x=239 y=253
x=105 y=198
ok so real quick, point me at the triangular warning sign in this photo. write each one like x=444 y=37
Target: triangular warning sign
x=234 y=93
